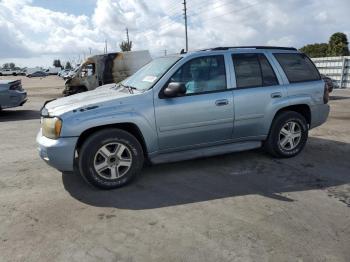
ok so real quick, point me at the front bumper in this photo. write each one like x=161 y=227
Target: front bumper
x=319 y=115
x=57 y=153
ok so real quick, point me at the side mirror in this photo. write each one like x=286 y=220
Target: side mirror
x=175 y=89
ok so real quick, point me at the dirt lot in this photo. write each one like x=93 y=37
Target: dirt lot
x=239 y=207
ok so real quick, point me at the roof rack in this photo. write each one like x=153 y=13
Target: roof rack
x=249 y=47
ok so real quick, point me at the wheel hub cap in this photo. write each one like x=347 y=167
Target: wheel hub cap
x=112 y=161
x=290 y=136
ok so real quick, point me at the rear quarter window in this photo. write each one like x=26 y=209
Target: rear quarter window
x=298 y=67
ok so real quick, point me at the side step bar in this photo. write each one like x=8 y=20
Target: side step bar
x=204 y=152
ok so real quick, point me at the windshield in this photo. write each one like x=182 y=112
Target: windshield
x=150 y=73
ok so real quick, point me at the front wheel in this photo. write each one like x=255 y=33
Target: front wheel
x=288 y=135
x=110 y=158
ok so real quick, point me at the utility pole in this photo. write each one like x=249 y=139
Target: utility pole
x=185 y=16
x=90 y=50
x=106 y=51
x=165 y=52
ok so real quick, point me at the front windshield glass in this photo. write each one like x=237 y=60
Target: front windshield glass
x=150 y=73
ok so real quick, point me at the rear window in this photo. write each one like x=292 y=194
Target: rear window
x=298 y=67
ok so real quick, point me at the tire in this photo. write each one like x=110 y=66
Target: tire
x=284 y=139
x=104 y=150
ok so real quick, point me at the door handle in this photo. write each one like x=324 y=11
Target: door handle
x=276 y=95
x=221 y=102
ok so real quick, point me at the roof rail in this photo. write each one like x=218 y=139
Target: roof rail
x=249 y=47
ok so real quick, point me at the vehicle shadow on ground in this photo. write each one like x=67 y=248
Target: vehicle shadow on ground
x=338 y=97
x=18 y=115
x=320 y=166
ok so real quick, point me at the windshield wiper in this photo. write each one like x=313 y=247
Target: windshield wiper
x=130 y=88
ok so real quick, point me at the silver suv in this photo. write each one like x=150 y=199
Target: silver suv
x=202 y=103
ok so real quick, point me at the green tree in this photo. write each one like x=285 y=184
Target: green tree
x=9 y=66
x=315 y=50
x=68 y=66
x=338 y=45
x=57 y=63
x=126 y=46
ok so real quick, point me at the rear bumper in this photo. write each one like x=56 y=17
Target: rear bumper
x=15 y=98
x=319 y=115
x=57 y=153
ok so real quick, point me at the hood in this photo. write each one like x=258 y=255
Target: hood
x=83 y=100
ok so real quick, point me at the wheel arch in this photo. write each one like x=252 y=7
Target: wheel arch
x=303 y=109
x=127 y=126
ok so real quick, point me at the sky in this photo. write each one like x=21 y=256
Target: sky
x=34 y=32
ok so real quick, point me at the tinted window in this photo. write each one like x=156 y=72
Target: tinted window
x=253 y=70
x=204 y=74
x=298 y=67
x=269 y=77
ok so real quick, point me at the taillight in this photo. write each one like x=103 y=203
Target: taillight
x=325 y=93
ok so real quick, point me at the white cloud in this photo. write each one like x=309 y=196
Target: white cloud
x=31 y=31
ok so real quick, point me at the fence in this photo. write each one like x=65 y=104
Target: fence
x=336 y=68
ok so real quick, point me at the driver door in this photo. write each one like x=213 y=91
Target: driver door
x=204 y=115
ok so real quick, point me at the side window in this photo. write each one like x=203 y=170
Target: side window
x=298 y=67
x=253 y=70
x=269 y=77
x=247 y=70
x=204 y=74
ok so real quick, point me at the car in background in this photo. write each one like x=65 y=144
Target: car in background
x=12 y=94
x=53 y=70
x=329 y=83
x=63 y=72
x=38 y=74
x=70 y=74
x=104 y=69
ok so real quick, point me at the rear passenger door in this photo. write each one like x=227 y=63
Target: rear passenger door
x=256 y=94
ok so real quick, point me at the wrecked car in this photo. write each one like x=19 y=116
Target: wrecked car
x=12 y=94
x=105 y=69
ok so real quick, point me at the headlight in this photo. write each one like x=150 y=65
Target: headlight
x=51 y=127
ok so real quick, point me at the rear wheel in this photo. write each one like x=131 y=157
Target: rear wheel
x=288 y=135
x=110 y=158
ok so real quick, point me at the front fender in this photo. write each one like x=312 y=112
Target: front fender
x=84 y=119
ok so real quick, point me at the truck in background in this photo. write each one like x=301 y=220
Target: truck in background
x=105 y=69
x=53 y=70
x=10 y=72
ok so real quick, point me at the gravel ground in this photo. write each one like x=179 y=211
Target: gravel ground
x=239 y=207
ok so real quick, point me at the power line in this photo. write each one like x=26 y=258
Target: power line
x=204 y=9
x=233 y=11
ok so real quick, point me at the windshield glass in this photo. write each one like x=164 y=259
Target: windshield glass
x=150 y=73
